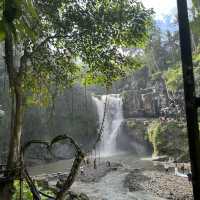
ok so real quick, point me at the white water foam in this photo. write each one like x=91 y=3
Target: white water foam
x=113 y=120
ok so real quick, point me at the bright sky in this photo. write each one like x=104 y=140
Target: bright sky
x=161 y=7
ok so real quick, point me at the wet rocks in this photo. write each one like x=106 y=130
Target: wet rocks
x=159 y=183
x=73 y=196
x=133 y=181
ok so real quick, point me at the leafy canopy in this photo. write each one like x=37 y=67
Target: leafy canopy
x=173 y=77
x=76 y=38
x=15 y=17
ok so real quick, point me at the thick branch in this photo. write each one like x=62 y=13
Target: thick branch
x=45 y=41
x=71 y=177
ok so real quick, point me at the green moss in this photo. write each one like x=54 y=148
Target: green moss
x=26 y=191
x=131 y=124
x=168 y=138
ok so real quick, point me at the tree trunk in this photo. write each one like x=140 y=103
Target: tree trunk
x=70 y=179
x=15 y=139
x=16 y=119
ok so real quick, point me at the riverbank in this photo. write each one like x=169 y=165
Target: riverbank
x=87 y=174
x=127 y=178
x=160 y=183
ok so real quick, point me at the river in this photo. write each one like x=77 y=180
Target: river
x=109 y=187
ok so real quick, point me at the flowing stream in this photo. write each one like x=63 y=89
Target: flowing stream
x=112 y=122
x=109 y=187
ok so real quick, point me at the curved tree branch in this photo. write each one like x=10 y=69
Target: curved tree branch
x=65 y=186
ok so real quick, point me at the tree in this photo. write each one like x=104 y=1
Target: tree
x=156 y=55
x=72 y=38
x=195 y=24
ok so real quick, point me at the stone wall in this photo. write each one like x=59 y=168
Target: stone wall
x=133 y=136
x=141 y=103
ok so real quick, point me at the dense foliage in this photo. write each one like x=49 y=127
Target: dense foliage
x=49 y=45
x=27 y=193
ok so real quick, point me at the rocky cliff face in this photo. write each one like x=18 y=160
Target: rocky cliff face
x=133 y=136
x=140 y=103
x=142 y=96
x=144 y=100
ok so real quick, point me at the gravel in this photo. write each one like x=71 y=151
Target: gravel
x=159 y=183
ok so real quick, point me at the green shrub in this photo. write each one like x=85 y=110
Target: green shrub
x=26 y=191
x=27 y=195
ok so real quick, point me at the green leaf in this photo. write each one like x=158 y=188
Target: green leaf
x=2 y=31
x=31 y=9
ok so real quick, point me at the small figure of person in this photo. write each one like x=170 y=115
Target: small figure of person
x=108 y=164
x=176 y=170
x=175 y=162
x=88 y=161
x=183 y=168
x=95 y=163
x=82 y=170
x=166 y=166
x=189 y=175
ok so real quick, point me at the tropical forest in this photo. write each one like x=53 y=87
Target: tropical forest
x=99 y=99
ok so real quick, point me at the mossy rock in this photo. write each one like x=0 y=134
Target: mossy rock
x=169 y=138
x=131 y=124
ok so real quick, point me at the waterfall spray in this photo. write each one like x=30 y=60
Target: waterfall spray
x=113 y=120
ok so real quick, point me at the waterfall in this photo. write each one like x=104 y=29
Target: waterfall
x=113 y=120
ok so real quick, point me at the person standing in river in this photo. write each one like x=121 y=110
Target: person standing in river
x=166 y=166
x=108 y=164
x=189 y=175
x=88 y=161
x=95 y=164
x=183 y=168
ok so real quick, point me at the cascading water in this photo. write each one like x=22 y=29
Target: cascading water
x=112 y=122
